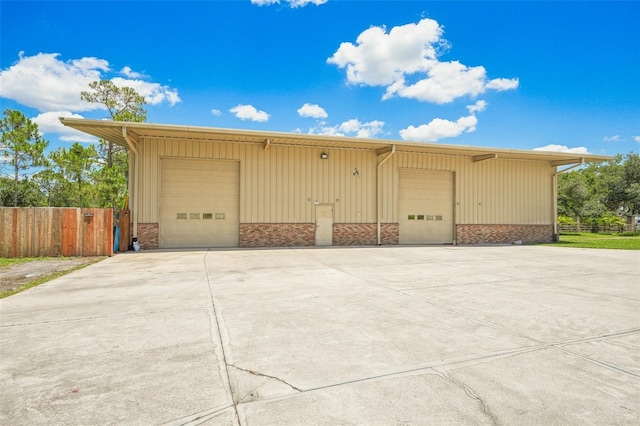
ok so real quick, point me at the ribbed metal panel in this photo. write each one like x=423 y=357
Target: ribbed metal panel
x=487 y=192
x=280 y=184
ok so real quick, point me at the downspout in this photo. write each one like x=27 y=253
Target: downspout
x=554 y=182
x=556 y=234
x=379 y=203
x=133 y=186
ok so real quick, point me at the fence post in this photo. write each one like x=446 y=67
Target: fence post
x=125 y=234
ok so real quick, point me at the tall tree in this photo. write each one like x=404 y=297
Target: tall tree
x=48 y=182
x=576 y=198
x=123 y=104
x=631 y=174
x=29 y=194
x=601 y=189
x=76 y=166
x=21 y=145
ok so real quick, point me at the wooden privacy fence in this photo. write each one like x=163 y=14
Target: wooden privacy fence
x=53 y=231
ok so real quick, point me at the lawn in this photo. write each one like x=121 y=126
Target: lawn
x=19 y=274
x=4 y=261
x=601 y=241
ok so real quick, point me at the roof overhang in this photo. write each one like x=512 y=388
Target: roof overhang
x=128 y=134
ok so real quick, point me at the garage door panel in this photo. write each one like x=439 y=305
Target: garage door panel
x=195 y=188
x=425 y=207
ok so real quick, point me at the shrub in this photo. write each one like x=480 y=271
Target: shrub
x=566 y=220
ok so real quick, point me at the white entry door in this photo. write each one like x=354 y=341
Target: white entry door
x=324 y=225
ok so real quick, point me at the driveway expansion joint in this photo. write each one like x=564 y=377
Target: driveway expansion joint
x=216 y=325
x=165 y=348
x=197 y=418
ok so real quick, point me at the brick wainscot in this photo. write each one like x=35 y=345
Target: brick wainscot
x=303 y=234
x=365 y=234
x=148 y=235
x=277 y=234
x=503 y=234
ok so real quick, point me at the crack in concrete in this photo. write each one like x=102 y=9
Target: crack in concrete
x=539 y=345
x=255 y=373
x=471 y=394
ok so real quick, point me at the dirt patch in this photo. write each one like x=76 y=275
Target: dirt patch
x=13 y=276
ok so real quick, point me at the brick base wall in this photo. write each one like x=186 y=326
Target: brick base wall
x=148 y=235
x=390 y=234
x=277 y=234
x=503 y=234
x=363 y=234
x=345 y=234
x=303 y=234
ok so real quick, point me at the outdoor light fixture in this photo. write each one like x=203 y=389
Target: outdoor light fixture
x=324 y=156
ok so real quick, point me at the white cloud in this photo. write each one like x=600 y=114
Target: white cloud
x=48 y=123
x=326 y=130
x=153 y=93
x=479 y=106
x=352 y=128
x=439 y=128
x=312 y=110
x=445 y=82
x=563 y=148
x=410 y=52
x=216 y=112
x=303 y=3
x=128 y=72
x=362 y=130
x=614 y=138
x=502 y=84
x=292 y=3
x=380 y=59
x=636 y=138
x=249 y=112
x=46 y=83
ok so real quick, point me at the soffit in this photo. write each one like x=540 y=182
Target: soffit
x=116 y=131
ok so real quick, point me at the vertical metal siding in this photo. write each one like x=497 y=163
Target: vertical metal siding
x=281 y=184
x=277 y=185
x=496 y=191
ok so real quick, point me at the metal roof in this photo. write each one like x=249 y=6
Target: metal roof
x=118 y=132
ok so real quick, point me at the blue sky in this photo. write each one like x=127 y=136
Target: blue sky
x=509 y=74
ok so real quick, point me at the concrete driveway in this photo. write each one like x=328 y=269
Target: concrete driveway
x=511 y=335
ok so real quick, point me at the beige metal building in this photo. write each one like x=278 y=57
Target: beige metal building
x=208 y=187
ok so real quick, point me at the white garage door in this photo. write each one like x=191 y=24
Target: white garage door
x=199 y=203
x=425 y=207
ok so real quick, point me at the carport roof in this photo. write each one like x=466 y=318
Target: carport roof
x=129 y=134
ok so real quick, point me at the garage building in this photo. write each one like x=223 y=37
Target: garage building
x=209 y=187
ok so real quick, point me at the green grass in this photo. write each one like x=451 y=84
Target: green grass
x=42 y=278
x=601 y=241
x=4 y=261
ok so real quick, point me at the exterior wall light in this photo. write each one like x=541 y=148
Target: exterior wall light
x=324 y=156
